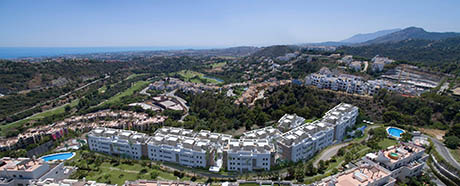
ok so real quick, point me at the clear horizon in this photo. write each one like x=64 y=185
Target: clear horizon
x=210 y=24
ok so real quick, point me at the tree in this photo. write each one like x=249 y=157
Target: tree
x=424 y=115
x=67 y=108
x=452 y=142
x=322 y=166
x=310 y=170
x=406 y=136
x=348 y=157
x=379 y=133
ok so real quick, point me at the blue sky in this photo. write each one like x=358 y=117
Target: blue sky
x=212 y=23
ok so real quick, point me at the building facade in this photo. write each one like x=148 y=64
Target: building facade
x=255 y=150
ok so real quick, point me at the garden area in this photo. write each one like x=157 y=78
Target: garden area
x=116 y=170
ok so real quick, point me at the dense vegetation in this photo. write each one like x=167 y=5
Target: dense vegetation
x=441 y=55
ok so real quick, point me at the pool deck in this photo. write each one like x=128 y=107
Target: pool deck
x=388 y=132
x=73 y=154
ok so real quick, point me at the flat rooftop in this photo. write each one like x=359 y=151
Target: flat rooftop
x=119 y=134
x=395 y=153
x=20 y=164
x=363 y=175
x=308 y=130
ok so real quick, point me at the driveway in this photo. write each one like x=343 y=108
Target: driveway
x=329 y=153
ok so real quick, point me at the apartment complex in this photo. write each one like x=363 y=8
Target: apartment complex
x=403 y=160
x=255 y=150
x=125 y=143
x=356 y=85
x=249 y=155
x=186 y=147
x=20 y=171
x=304 y=141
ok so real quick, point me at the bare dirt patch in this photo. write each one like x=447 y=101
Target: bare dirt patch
x=438 y=134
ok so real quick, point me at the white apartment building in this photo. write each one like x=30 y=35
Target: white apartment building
x=340 y=117
x=304 y=141
x=290 y=121
x=343 y=82
x=249 y=154
x=125 y=143
x=19 y=171
x=263 y=133
x=254 y=151
x=404 y=160
x=180 y=146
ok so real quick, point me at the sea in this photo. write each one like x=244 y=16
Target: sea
x=23 y=52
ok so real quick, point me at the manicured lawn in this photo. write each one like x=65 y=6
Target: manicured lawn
x=130 y=91
x=387 y=142
x=217 y=65
x=118 y=173
x=195 y=77
x=57 y=110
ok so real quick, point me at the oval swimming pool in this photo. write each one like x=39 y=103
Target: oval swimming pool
x=395 y=132
x=59 y=156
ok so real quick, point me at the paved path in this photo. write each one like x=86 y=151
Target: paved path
x=144 y=91
x=444 y=152
x=329 y=153
x=332 y=151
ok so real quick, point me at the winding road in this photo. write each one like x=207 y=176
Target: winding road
x=181 y=101
x=444 y=152
x=331 y=151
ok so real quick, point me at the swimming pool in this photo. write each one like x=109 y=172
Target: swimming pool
x=395 y=132
x=59 y=156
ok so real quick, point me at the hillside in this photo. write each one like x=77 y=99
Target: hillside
x=411 y=33
x=428 y=52
x=359 y=38
x=275 y=51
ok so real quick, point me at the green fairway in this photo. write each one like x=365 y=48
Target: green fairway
x=130 y=91
x=196 y=77
x=217 y=65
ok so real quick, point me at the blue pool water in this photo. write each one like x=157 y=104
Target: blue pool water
x=61 y=156
x=395 y=132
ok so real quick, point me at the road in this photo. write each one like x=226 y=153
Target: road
x=366 y=64
x=144 y=91
x=329 y=153
x=332 y=151
x=181 y=101
x=444 y=152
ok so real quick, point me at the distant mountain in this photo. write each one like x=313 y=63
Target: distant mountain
x=429 y=52
x=359 y=38
x=411 y=33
